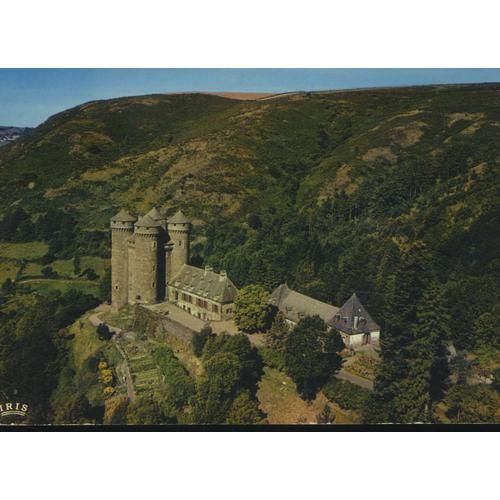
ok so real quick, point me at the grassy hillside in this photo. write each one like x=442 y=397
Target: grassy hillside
x=209 y=153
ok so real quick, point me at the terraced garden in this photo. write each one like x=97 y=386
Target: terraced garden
x=364 y=365
x=145 y=373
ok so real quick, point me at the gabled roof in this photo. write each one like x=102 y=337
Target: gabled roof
x=124 y=216
x=204 y=283
x=294 y=305
x=146 y=221
x=179 y=218
x=155 y=214
x=353 y=318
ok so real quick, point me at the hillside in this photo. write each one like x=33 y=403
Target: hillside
x=321 y=189
x=209 y=153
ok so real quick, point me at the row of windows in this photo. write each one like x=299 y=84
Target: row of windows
x=199 y=302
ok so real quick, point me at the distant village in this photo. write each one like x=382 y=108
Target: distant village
x=10 y=134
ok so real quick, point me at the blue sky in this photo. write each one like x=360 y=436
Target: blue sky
x=30 y=96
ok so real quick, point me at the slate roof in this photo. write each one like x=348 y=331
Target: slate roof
x=353 y=318
x=294 y=305
x=124 y=216
x=155 y=214
x=147 y=221
x=204 y=283
x=179 y=218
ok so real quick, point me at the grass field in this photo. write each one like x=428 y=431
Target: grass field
x=8 y=269
x=46 y=285
x=29 y=250
x=278 y=398
x=12 y=253
x=65 y=268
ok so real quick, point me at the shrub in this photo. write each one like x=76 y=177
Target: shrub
x=91 y=274
x=346 y=394
x=108 y=391
x=245 y=410
x=106 y=376
x=115 y=410
x=179 y=386
x=103 y=332
x=326 y=416
x=200 y=339
x=48 y=272
x=92 y=362
x=273 y=358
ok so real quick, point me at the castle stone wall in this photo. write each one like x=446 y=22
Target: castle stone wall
x=179 y=234
x=119 y=265
x=159 y=326
x=145 y=268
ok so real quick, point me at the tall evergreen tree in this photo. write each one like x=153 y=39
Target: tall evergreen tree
x=393 y=396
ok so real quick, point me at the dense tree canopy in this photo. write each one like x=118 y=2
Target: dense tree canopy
x=311 y=354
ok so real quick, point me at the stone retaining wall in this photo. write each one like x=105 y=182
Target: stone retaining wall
x=151 y=324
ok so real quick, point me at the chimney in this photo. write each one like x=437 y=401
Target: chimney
x=208 y=269
x=223 y=275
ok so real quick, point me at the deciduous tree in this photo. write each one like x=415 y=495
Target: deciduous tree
x=307 y=359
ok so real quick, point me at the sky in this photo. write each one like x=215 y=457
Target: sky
x=29 y=96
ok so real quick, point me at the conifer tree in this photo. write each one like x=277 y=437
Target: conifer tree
x=277 y=334
x=398 y=389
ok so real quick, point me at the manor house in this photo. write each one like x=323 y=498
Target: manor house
x=352 y=320
x=149 y=264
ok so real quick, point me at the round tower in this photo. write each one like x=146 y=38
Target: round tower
x=122 y=228
x=161 y=217
x=179 y=227
x=146 y=257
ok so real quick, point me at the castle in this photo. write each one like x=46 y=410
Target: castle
x=149 y=264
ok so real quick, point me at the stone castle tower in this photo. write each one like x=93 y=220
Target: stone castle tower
x=145 y=253
x=122 y=228
x=179 y=227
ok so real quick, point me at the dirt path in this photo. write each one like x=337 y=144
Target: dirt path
x=355 y=379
